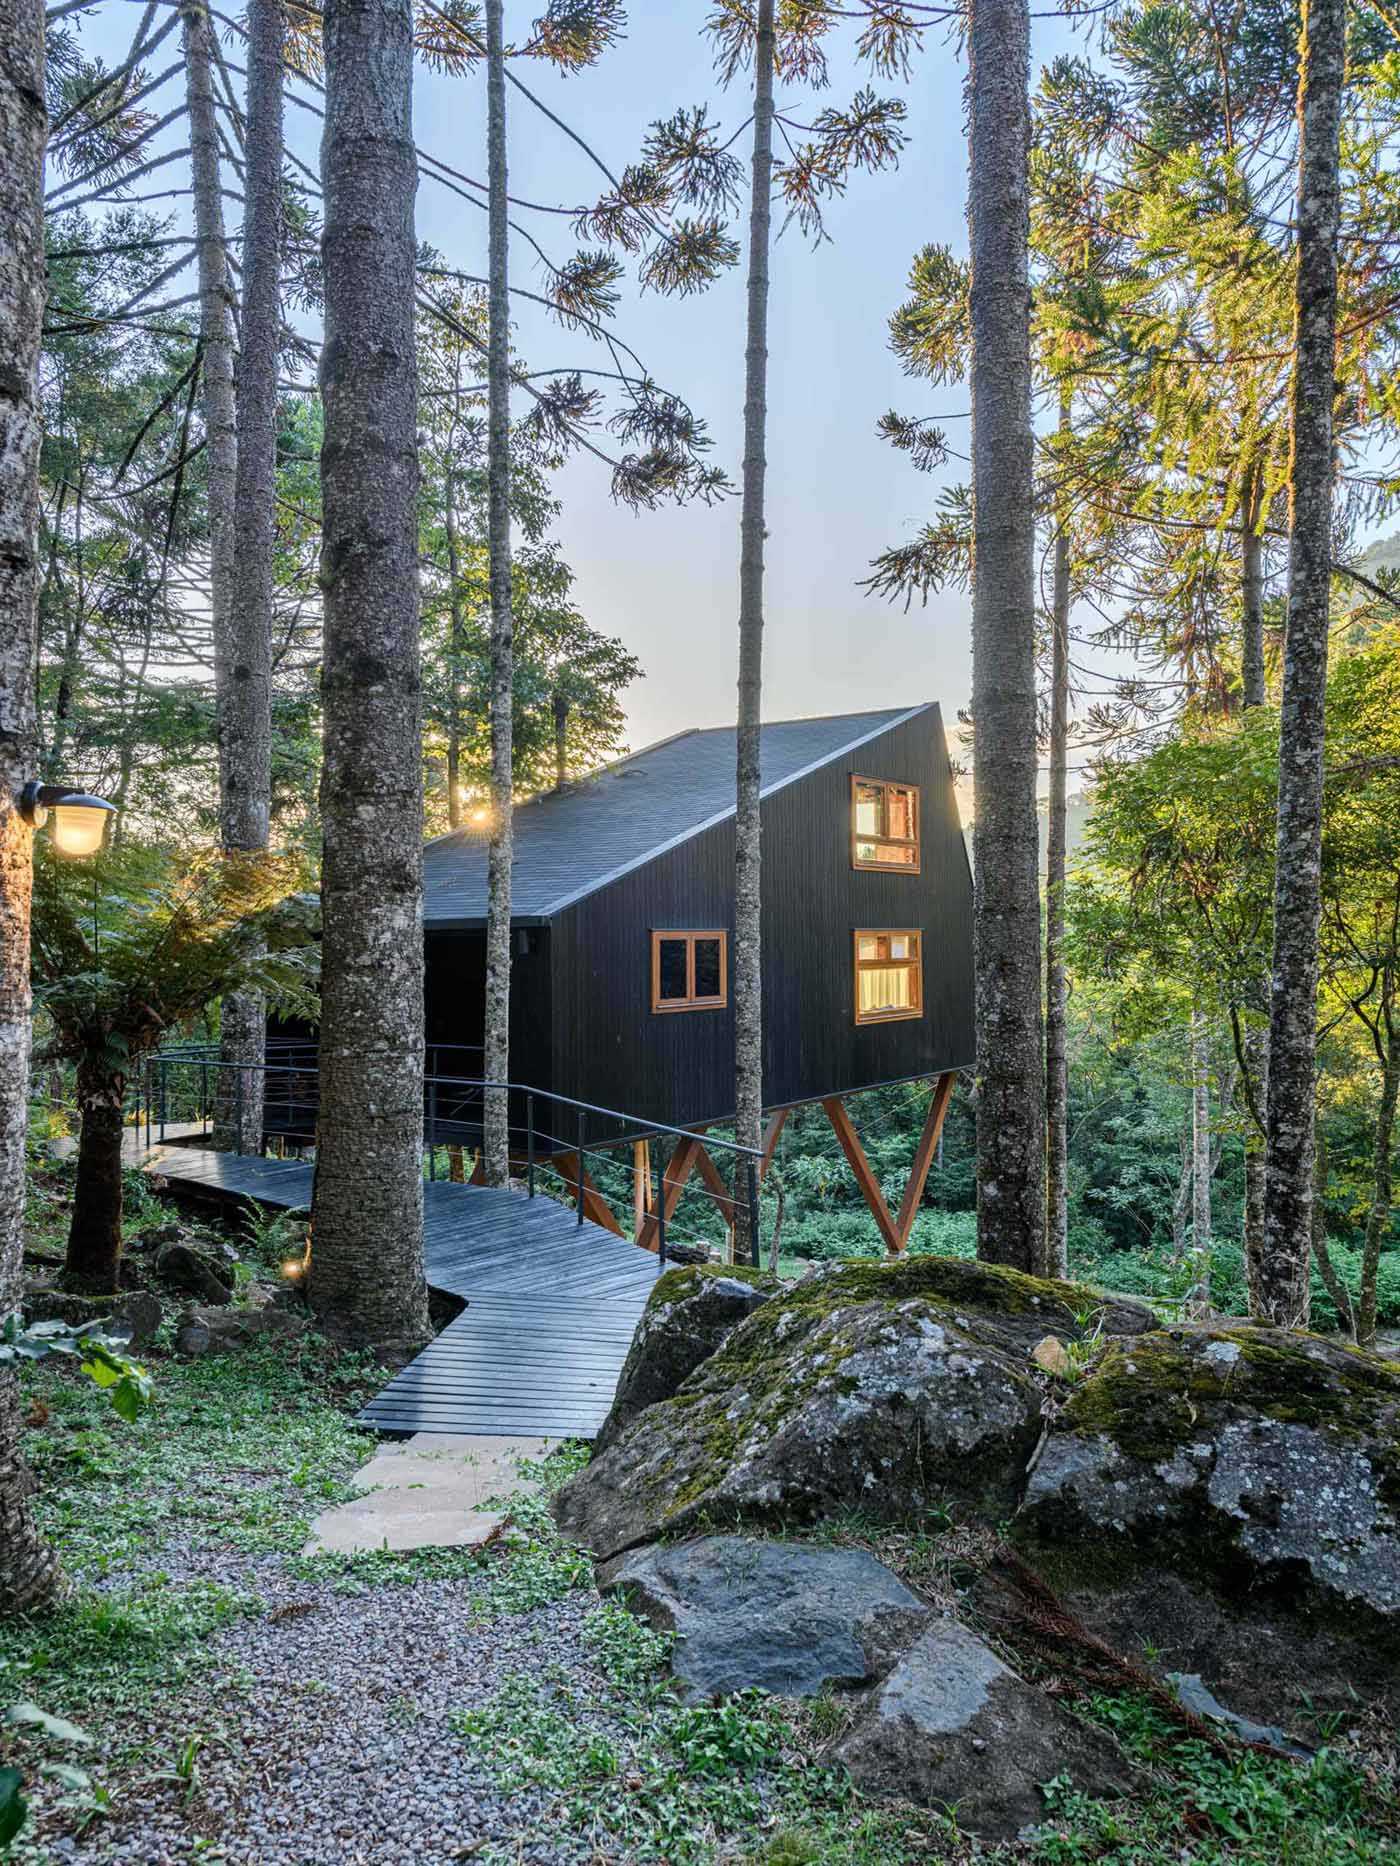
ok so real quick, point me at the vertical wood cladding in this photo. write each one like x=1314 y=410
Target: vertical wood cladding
x=610 y=1047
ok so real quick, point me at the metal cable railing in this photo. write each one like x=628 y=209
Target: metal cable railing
x=189 y=1087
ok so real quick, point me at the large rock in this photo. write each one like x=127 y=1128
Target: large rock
x=688 y=1317
x=886 y=1388
x=194 y=1271
x=784 y=1617
x=953 y=1726
x=217 y=1330
x=1229 y=1498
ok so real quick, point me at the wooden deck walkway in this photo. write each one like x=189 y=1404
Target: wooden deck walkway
x=551 y=1304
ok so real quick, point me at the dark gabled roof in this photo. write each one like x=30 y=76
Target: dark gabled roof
x=569 y=842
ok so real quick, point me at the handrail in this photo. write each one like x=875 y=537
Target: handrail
x=202 y=1058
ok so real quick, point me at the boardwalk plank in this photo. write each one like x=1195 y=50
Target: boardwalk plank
x=551 y=1304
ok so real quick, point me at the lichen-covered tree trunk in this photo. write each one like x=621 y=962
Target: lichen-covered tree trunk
x=367 y=1212
x=748 y=818
x=1382 y=1170
x=1010 y=1064
x=93 y=1260
x=456 y=649
x=1056 y=1261
x=496 y=1062
x=1289 y=1117
x=245 y=697
x=216 y=347
x=29 y=1572
x=1254 y=693
x=1198 y=1296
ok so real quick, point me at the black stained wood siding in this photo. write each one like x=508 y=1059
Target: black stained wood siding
x=455 y=1002
x=610 y=1047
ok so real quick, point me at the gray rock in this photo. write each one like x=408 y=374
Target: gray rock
x=689 y=1316
x=184 y=1267
x=870 y=1388
x=954 y=1727
x=782 y=1617
x=1230 y=1498
x=137 y=1317
x=215 y=1330
x=1197 y=1697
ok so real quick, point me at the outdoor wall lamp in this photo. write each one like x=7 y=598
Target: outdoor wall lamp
x=79 y=820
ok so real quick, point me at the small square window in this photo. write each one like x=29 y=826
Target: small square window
x=690 y=971
x=884 y=825
x=889 y=976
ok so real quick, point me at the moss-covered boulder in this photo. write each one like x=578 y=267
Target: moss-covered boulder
x=689 y=1315
x=892 y=1389
x=1229 y=1501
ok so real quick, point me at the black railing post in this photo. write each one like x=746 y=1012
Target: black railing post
x=530 y=1145
x=204 y=1093
x=432 y=1129
x=238 y=1110
x=755 y=1246
x=163 y=1091
x=661 y=1205
x=578 y=1188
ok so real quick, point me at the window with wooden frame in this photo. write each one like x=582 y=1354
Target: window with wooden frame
x=690 y=970
x=884 y=825
x=889 y=968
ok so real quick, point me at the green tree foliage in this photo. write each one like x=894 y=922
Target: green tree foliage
x=129 y=950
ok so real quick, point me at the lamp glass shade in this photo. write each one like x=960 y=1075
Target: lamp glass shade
x=78 y=825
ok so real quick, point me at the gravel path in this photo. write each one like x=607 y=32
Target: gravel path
x=327 y=1737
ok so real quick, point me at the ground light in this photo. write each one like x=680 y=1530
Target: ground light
x=79 y=820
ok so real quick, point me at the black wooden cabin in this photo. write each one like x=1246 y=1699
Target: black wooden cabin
x=623 y=917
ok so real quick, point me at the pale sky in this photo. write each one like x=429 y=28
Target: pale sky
x=666 y=582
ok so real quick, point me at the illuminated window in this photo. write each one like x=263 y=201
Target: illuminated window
x=889 y=976
x=884 y=825
x=689 y=971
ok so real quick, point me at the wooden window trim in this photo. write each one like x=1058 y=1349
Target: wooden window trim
x=915 y=966
x=689 y=1002
x=914 y=842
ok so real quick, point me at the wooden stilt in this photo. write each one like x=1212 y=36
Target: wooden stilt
x=923 y=1156
x=777 y=1121
x=673 y=1184
x=641 y=1184
x=456 y=1165
x=595 y=1206
x=835 y=1110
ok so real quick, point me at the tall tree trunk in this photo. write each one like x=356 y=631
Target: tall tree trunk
x=221 y=437
x=367 y=1207
x=245 y=697
x=496 y=1062
x=561 y=741
x=1288 y=1187
x=1198 y=1297
x=29 y=1572
x=455 y=650
x=1010 y=1066
x=1254 y=689
x=1322 y=1255
x=1057 y=838
x=1255 y=693
x=93 y=1260
x=748 y=817
x=1378 y=1218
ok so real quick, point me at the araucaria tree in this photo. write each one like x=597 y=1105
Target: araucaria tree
x=29 y=1574
x=367 y=1267
x=1282 y=1276
x=1010 y=1079
x=748 y=818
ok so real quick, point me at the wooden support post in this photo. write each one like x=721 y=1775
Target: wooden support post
x=777 y=1121
x=714 y=1179
x=595 y=1206
x=923 y=1156
x=672 y=1185
x=835 y=1110
x=641 y=1184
